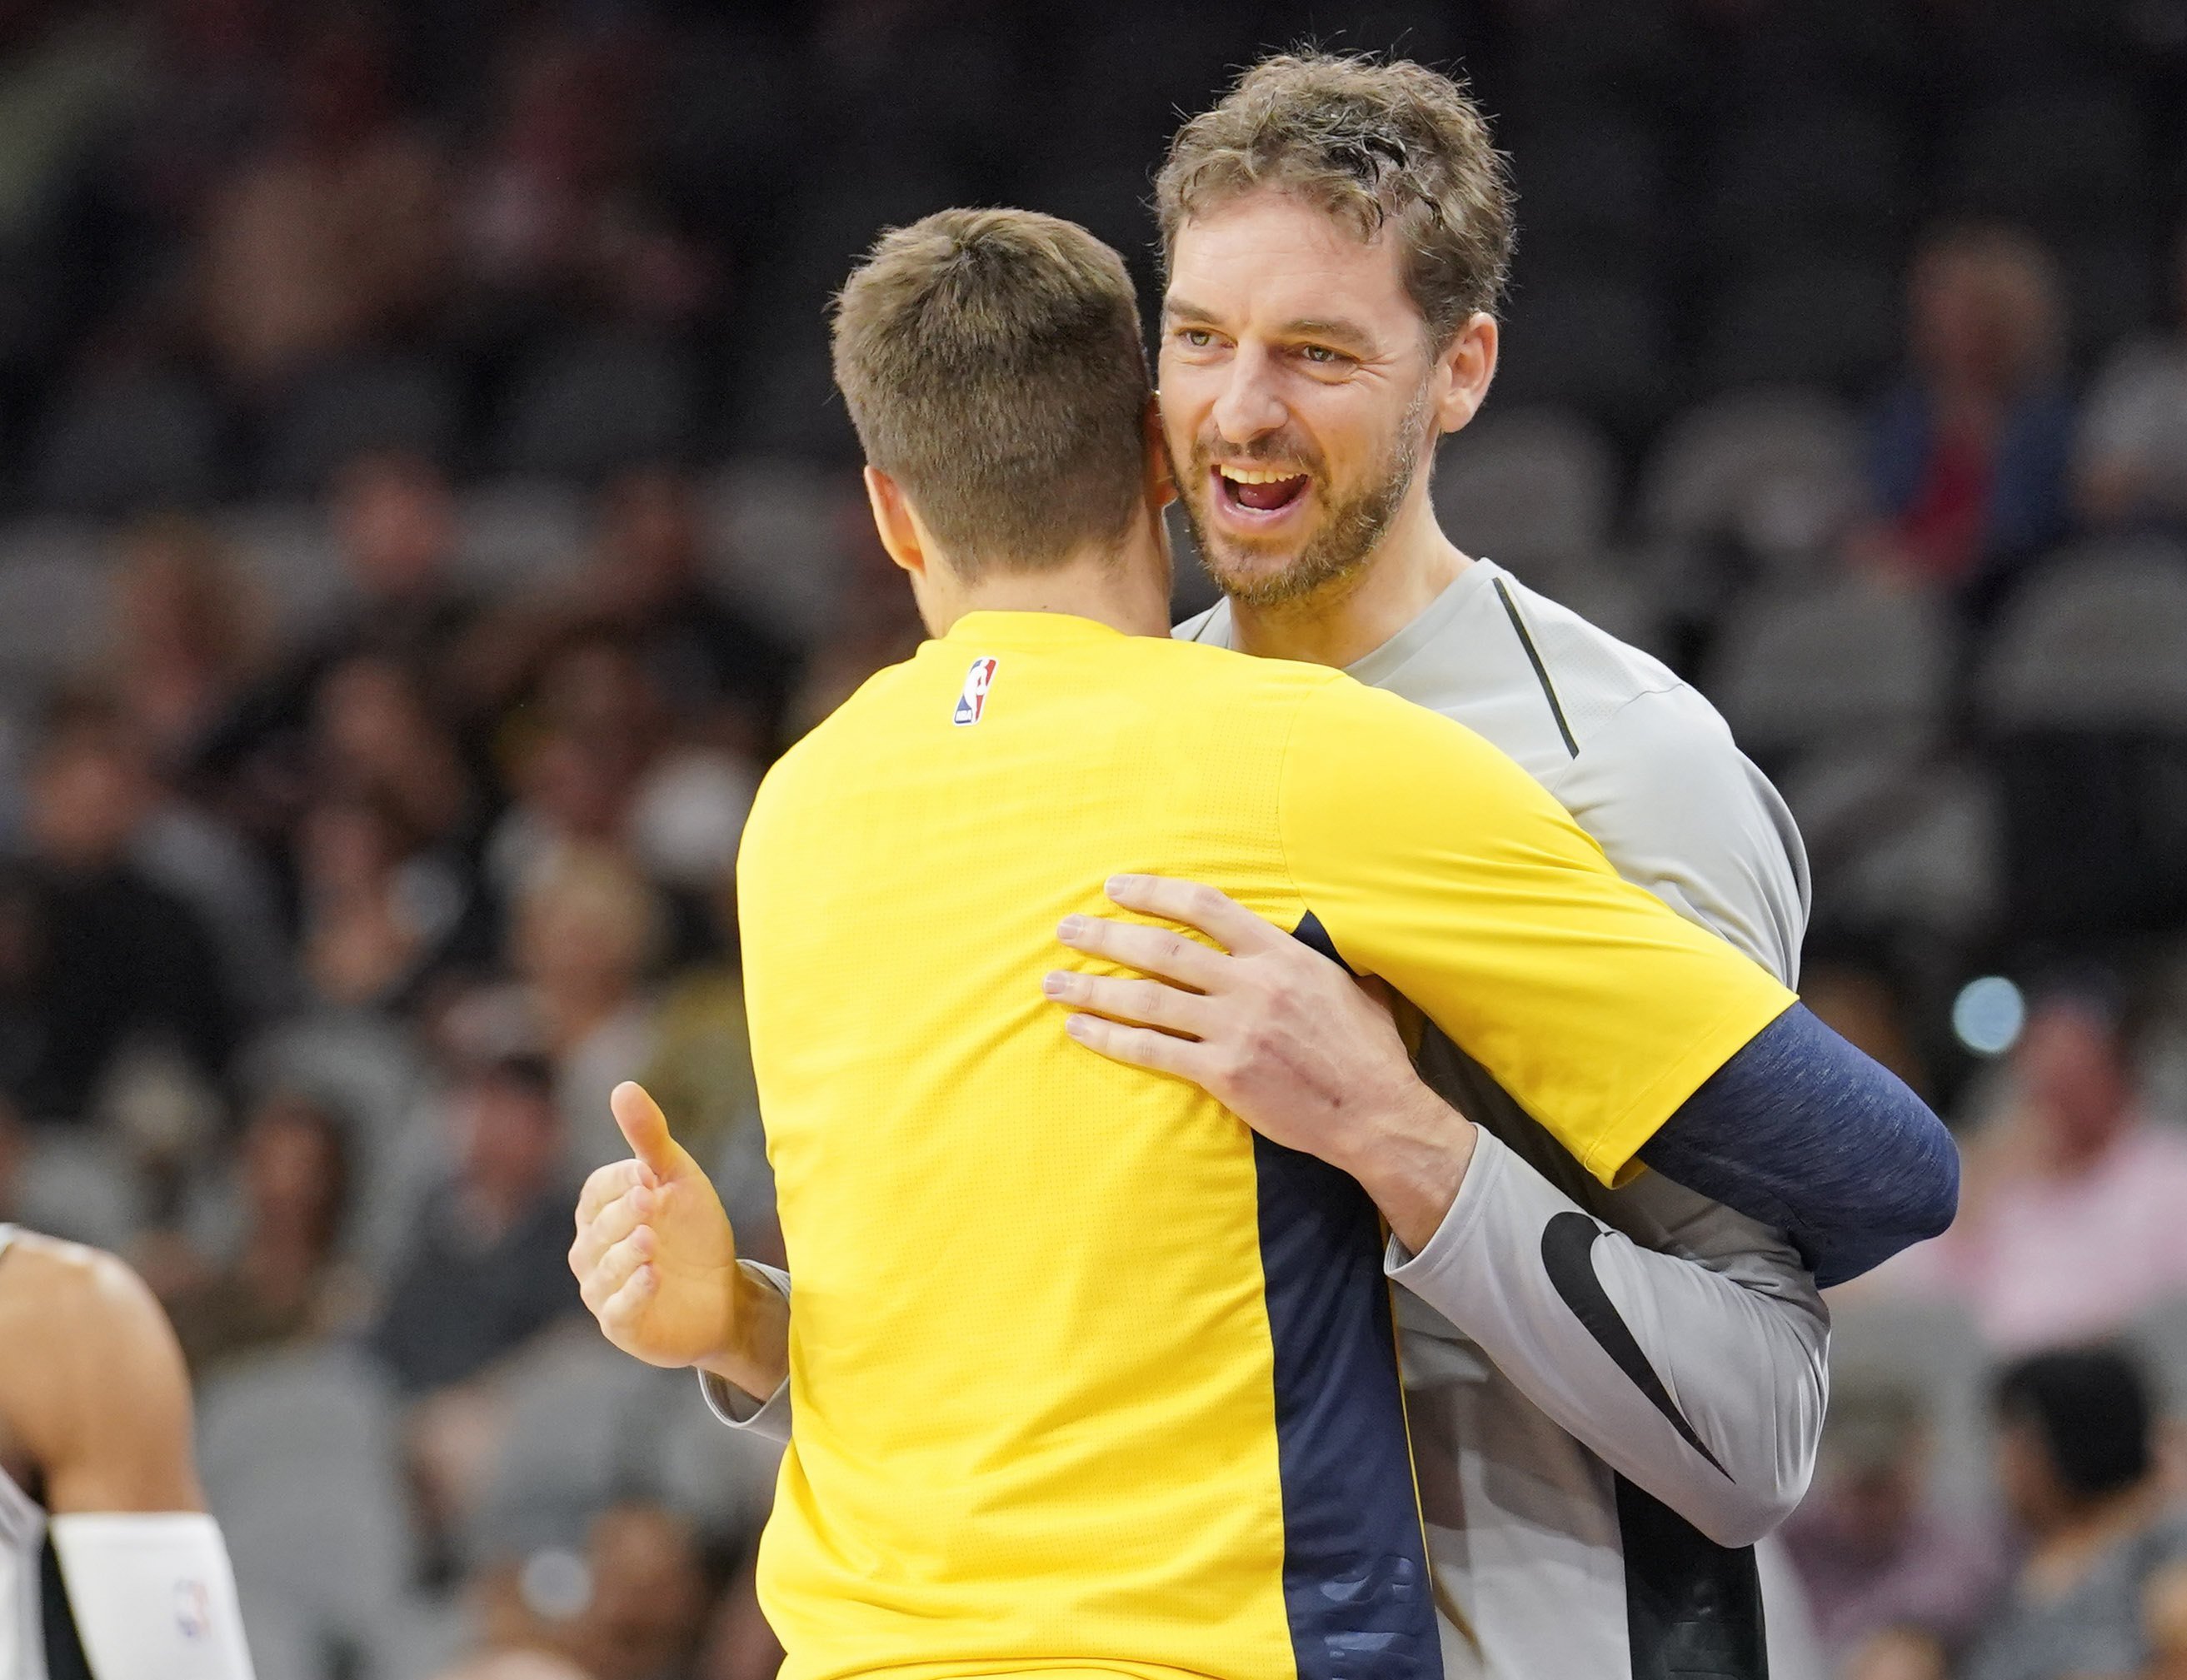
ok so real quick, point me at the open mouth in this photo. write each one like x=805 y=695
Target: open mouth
x=1258 y=489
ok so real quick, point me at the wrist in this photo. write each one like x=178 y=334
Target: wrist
x=1412 y=1160
x=754 y=1352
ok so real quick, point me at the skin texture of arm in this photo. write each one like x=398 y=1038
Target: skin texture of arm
x=103 y=1411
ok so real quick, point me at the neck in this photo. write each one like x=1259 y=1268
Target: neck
x=1125 y=587
x=1347 y=619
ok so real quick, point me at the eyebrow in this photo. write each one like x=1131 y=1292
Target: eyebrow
x=1344 y=334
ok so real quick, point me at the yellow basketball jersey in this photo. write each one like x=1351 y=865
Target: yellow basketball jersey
x=1086 y=1378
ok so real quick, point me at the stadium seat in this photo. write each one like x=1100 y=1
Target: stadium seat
x=1899 y=840
x=56 y=586
x=581 y=1419
x=2159 y=1336
x=588 y=1426
x=2083 y=699
x=1933 y=1348
x=1526 y=486
x=1829 y=323
x=1776 y=473
x=287 y=552
x=518 y=533
x=380 y=401
x=776 y=540
x=2093 y=640
x=371 y=1071
x=1806 y=666
x=587 y=405
x=298 y=1453
x=127 y=442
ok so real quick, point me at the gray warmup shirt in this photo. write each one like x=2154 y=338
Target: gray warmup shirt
x=1613 y=1393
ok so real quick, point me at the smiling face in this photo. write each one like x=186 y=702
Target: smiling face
x=1299 y=393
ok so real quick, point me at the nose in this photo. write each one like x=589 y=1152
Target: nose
x=1250 y=407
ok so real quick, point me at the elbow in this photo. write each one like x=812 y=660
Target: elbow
x=1924 y=1198
x=1752 y=1516
x=1755 y=1506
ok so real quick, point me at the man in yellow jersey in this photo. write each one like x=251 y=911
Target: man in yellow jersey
x=1086 y=1377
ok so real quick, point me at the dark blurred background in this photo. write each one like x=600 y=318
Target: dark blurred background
x=423 y=512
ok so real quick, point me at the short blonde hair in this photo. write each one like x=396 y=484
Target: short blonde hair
x=991 y=363
x=1376 y=143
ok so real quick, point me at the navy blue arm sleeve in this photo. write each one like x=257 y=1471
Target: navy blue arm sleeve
x=1803 y=1132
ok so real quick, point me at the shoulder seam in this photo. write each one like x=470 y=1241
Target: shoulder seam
x=1534 y=658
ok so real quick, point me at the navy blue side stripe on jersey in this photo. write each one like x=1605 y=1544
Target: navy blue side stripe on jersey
x=1355 y=1565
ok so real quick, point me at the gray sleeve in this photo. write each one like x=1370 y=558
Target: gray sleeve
x=769 y=1419
x=1679 y=810
x=1702 y=1387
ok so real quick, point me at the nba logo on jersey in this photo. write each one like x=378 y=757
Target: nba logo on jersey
x=192 y=1608
x=972 y=704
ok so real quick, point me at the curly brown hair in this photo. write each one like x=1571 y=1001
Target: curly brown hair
x=1374 y=142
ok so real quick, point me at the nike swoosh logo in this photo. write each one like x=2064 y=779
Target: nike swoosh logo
x=1568 y=1256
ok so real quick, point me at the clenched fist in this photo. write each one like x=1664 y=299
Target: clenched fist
x=655 y=1259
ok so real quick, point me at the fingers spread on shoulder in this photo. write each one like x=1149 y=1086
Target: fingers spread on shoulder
x=1214 y=913
x=1148 y=1002
x=1138 y=1046
x=1155 y=951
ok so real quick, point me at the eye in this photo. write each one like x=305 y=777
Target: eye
x=1199 y=337
x=1321 y=355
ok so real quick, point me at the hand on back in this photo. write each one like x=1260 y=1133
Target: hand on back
x=654 y=1257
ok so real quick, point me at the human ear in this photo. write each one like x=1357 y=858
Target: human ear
x=1468 y=366
x=893 y=519
x=1161 y=479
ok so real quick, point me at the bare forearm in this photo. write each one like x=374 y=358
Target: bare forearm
x=756 y=1354
x=1411 y=1156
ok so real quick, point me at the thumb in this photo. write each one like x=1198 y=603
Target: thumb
x=644 y=1127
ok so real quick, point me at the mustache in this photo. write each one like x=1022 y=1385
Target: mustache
x=1260 y=452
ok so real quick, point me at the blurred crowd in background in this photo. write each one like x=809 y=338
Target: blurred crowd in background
x=423 y=513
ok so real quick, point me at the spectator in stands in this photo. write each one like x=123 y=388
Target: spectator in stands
x=375 y=910
x=2076 y=1463
x=394 y=519
x=377 y=736
x=2131 y=460
x=483 y=1266
x=586 y=931
x=1970 y=458
x=335 y=232
x=284 y=1282
x=1879 y=1561
x=2070 y=1215
x=94 y=956
x=187 y=635
x=643 y=586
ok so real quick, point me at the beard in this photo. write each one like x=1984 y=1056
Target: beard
x=1351 y=528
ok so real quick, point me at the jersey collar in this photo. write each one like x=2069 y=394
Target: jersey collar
x=1029 y=630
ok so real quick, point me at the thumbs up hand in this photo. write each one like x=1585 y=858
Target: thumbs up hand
x=654 y=1257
